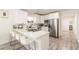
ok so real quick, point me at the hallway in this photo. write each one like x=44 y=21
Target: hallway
x=66 y=42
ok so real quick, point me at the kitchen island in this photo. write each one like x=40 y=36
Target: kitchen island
x=38 y=40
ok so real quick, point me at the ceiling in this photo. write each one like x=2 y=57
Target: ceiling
x=41 y=11
x=47 y=11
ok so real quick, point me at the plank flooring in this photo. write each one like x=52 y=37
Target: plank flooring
x=66 y=42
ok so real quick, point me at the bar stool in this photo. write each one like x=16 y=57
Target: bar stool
x=12 y=37
x=15 y=40
x=26 y=42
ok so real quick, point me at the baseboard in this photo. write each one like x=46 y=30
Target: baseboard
x=4 y=42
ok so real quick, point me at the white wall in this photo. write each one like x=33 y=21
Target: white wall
x=14 y=16
x=77 y=27
x=4 y=27
x=20 y=16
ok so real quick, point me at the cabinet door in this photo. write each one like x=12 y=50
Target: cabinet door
x=45 y=17
x=38 y=19
x=53 y=15
x=42 y=19
x=42 y=43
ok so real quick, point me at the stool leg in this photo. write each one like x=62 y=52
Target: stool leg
x=34 y=45
x=12 y=39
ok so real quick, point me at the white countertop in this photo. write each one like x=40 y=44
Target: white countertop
x=30 y=34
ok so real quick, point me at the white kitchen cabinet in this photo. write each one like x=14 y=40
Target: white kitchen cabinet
x=37 y=19
x=46 y=17
x=42 y=43
x=42 y=19
x=53 y=15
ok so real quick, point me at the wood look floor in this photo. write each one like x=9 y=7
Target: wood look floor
x=7 y=46
x=66 y=42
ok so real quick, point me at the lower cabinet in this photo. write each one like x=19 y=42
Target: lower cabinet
x=42 y=43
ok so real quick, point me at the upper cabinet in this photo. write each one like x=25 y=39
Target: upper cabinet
x=37 y=18
x=46 y=17
x=53 y=15
x=40 y=18
x=49 y=16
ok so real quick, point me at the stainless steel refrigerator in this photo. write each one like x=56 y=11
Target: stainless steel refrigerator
x=53 y=25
